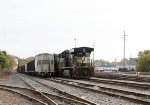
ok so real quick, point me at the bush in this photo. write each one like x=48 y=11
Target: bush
x=6 y=62
x=143 y=63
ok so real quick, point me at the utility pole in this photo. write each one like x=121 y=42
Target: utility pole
x=124 y=48
x=75 y=42
x=115 y=62
x=93 y=51
x=130 y=61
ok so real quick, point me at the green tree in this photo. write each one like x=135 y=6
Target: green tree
x=132 y=61
x=143 y=62
x=4 y=62
x=7 y=62
x=12 y=62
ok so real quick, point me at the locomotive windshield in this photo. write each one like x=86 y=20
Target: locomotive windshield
x=85 y=54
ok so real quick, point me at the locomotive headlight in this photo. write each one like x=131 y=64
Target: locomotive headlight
x=86 y=60
x=79 y=59
x=83 y=59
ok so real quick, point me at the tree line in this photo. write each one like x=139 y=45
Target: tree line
x=7 y=62
x=130 y=61
x=142 y=62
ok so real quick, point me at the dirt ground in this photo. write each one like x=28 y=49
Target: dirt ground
x=8 y=98
x=4 y=75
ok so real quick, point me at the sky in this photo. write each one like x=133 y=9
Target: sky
x=30 y=27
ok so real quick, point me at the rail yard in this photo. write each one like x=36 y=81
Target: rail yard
x=74 y=52
x=27 y=89
x=69 y=78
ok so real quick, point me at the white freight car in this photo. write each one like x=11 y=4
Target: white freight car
x=44 y=64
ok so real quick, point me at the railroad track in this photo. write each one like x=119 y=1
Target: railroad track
x=60 y=96
x=122 y=82
x=19 y=91
x=123 y=77
x=128 y=95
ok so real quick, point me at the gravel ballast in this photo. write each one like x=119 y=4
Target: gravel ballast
x=9 y=98
x=100 y=99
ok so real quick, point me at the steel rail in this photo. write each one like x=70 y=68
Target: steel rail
x=48 y=94
x=50 y=101
x=73 y=97
x=120 y=82
x=23 y=95
x=110 y=91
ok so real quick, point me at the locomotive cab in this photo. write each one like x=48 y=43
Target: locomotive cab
x=82 y=55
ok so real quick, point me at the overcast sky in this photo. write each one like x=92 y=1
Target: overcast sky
x=29 y=27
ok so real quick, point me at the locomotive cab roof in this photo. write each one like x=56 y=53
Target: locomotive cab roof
x=81 y=49
x=43 y=54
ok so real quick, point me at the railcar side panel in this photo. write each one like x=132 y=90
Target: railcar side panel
x=31 y=66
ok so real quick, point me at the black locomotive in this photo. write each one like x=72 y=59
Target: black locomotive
x=75 y=63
